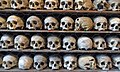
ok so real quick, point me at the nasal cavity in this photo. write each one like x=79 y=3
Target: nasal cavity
x=38 y=66
x=55 y=65
x=15 y=3
x=33 y=5
x=0 y=4
x=50 y=26
x=100 y=6
x=11 y=25
x=36 y=45
x=69 y=46
x=100 y=45
x=66 y=6
x=53 y=45
x=3 y=44
x=116 y=27
x=50 y=5
x=70 y=66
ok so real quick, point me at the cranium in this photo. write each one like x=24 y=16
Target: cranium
x=53 y=42
x=69 y=43
x=33 y=22
x=6 y=41
x=116 y=61
x=70 y=62
x=50 y=23
x=3 y=24
x=84 y=43
x=51 y=4
x=83 y=23
x=67 y=23
x=104 y=62
x=15 y=22
x=66 y=4
x=21 y=42
x=37 y=42
x=114 y=5
x=36 y=4
x=4 y=4
x=40 y=62
x=114 y=24
x=101 y=23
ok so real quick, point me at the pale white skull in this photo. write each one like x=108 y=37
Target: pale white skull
x=4 y=4
x=40 y=62
x=37 y=42
x=83 y=5
x=51 y=4
x=66 y=4
x=9 y=61
x=36 y=4
x=34 y=22
x=19 y=4
x=6 y=41
x=101 y=5
x=15 y=22
x=66 y=23
x=84 y=43
x=3 y=24
x=114 y=5
x=116 y=61
x=25 y=62
x=53 y=42
x=113 y=42
x=83 y=23
x=87 y=62
x=21 y=42
x=99 y=43
x=55 y=62
x=114 y=24
x=69 y=43
x=104 y=62
x=50 y=23
x=70 y=62
x=101 y=23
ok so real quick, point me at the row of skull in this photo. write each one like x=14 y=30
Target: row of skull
x=99 y=23
x=21 y=42
x=70 y=62
x=100 y=5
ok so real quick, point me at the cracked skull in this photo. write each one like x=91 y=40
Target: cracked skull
x=6 y=41
x=36 y=4
x=50 y=23
x=21 y=42
x=114 y=5
x=4 y=4
x=114 y=24
x=9 y=61
x=34 y=22
x=53 y=42
x=3 y=24
x=69 y=43
x=37 y=42
x=14 y=22
x=84 y=43
x=40 y=62
x=116 y=61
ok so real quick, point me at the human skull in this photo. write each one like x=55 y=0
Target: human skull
x=4 y=4
x=3 y=24
x=83 y=23
x=83 y=5
x=55 y=62
x=37 y=42
x=101 y=5
x=9 y=61
x=25 y=62
x=66 y=4
x=51 y=4
x=40 y=62
x=84 y=43
x=116 y=61
x=50 y=23
x=14 y=22
x=87 y=62
x=36 y=4
x=99 y=43
x=21 y=42
x=67 y=23
x=101 y=23
x=114 y=5
x=19 y=4
x=113 y=42
x=34 y=22
x=104 y=62
x=53 y=42
x=69 y=43
x=70 y=62
x=6 y=41
x=114 y=24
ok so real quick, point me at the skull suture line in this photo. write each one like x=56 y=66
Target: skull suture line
x=4 y=4
x=114 y=5
x=3 y=24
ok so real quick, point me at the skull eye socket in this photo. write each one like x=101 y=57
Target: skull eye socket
x=52 y=62
x=42 y=63
x=103 y=42
x=56 y=42
x=66 y=43
x=33 y=42
x=112 y=42
x=35 y=22
x=67 y=62
x=53 y=24
x=30 y=3
x=98 y=24
x=112 y=25
x=36 y=3
x=9 y=62
x=57 y=62
x=105 y=23
x=109 y=62
x=63 y=23
x=22 y=44
x=97 y=43
x=50 y=42
x=113 y=4
x=8 y=22
x=63 y=3
x=36 y=63
x=39 y=42
x=4 y=2
x=28 y=22
x=4 y=62
x=102 y=63
x=118 y=4
x=16 y=44
x=19 y=1
x=118 y=63
x=0 y=23
x=69 y=24
x=80 y=3
x=72 y=43
x=47 y=3
x=53 y=3
x=47 y=24
x=14 y=22
x=8 y=42
x=73 y=62
x=69 y=3
x=1 y=41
